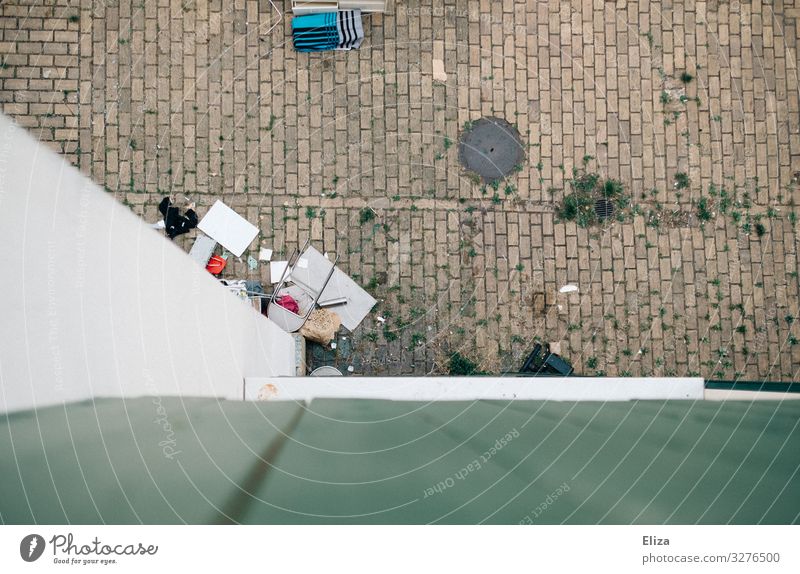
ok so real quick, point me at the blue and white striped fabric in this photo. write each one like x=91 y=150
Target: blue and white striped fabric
x=351 y=32
x=327 y=31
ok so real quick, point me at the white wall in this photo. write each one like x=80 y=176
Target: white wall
x=94 y=303
x=729 y=395
x=476 y=388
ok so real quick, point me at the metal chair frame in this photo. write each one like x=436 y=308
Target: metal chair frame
x=283 y=317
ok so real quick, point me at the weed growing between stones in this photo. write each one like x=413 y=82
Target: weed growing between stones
x=586 y=189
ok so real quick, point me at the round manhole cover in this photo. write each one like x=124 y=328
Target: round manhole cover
x=603 y=208
x=491 y=148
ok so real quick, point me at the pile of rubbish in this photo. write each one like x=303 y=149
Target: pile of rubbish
x=309 y=294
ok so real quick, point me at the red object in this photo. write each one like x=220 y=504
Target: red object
x=288 y=303
x=216 y=264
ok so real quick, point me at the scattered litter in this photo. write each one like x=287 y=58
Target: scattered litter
x=252 y=263
x=543 y=361
x=264 y=254
x=288 y=302
x=202 y=249
x=439 y=75
x=216 y=264
x=350 y=369
x=225 y=255
x=307 y=290
x=158 y=224
x=381 y=319
x=175 y=223
x=326 y=371
x=568 y=289
x=228 y=228
x=356 y=303
x=276 y=269
x=321 y=285
x=321 y=326
x=249 y=291
x=238 y=287
x=333 y=345
x=254 y=287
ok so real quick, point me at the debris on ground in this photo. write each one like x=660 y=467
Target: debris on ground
x=175 y=222
x=216 y=264
x=228 y=228
x=543 y=362
x=350 y=301
x=321 y=326
x=202 y=249
x=276 y=271
x=264 y=254
x=288 y=302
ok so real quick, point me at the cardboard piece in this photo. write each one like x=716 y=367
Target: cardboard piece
x=321 y=326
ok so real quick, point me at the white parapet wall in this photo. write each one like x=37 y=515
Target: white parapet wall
x=95 y=303
x=473 y=388
x=738 y=395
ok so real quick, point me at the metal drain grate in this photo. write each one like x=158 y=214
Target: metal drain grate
x=603 y=208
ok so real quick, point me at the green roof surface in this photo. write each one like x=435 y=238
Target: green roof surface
x=172 y=460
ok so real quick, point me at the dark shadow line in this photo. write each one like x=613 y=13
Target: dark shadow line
x=235 y=508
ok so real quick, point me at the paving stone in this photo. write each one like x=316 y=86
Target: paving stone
x=209 y=100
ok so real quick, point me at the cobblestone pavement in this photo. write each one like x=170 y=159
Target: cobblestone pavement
x=359 y=151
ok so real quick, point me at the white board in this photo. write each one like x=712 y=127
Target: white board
x=228 y=228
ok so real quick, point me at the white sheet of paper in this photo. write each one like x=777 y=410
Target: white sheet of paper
x=228 y=228
x=265 y=254
x=276 y=269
